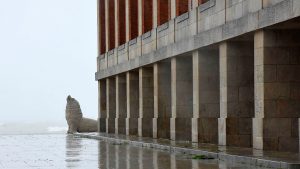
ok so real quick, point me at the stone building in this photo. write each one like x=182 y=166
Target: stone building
x=224 y=72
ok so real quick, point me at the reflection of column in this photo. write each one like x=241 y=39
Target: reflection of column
x=173 y=161
x=117 y=159
x=132 y=157
x=155 y=160
x=162 y=160
x=128 y=157
x=140 y=159
x=73 y=149
x=195 y=164
x=101 y=155
x=107 y=156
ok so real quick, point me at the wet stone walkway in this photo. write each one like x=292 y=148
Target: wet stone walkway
x=67 y=151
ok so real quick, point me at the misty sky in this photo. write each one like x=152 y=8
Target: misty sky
x=48 y=50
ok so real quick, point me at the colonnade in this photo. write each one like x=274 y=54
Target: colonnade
x=242 y=92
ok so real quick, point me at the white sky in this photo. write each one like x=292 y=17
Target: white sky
x=48 y=50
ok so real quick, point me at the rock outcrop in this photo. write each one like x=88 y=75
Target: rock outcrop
x=75 y=120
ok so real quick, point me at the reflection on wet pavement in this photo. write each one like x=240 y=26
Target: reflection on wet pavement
x=67 y=151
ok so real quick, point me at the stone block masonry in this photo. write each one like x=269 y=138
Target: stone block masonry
x=214 y=71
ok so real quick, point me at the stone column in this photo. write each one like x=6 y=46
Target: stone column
x=259 y=90
x=206 y=98
x=223 y=95
x=132 y=89
x=127 y=20
x=154 y=13
x=146 y=105
x=116 y=22
x=121 y=104
x=102 y=106
x=117 y=106
x=107 y=24
x=99 y=105
x=182 y=97
x=237 y=95
x=195 y=96
x=162 y=99
x=173 y=9
x=140 y=17
x=277 y=81
x=111 y=104
x=195 y=3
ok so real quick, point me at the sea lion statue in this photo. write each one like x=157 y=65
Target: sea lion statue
x=75 y=120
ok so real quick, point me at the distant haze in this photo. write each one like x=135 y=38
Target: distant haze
x=48 y=50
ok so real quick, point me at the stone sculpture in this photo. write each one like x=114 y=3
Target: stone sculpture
x=75 y=120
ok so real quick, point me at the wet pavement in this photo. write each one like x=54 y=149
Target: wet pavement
x=67 y=151
x=272 y=159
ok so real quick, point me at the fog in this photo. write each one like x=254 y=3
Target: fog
x=48 y=50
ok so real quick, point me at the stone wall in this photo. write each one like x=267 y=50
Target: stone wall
x=209 y=107
x=277 y=84
x=121 y=104
x=162 y=99
x=237 y=92
x=146 y=103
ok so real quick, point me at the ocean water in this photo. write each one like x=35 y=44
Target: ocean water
x=33 y=128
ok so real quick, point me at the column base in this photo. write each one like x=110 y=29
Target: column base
x=120 y=125
x=102 y=125
x=110 y=125
x=162 y=127
x=257 y=139
x=131 y=126
x=145 y=127
x=222 y=131
x=195 y=130
x=181 y=129
x=154 y=127
x=235 y=131
x=204 y=130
